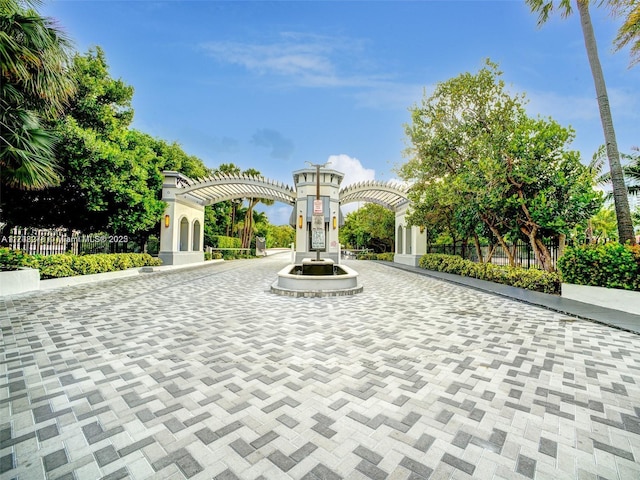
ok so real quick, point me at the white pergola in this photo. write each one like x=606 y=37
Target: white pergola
x=182 y=228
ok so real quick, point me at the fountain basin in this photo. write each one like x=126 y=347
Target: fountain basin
x=315 y=278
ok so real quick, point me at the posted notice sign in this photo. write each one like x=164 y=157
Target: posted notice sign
x=317 y=232
x=317 y=239
x=317 y=207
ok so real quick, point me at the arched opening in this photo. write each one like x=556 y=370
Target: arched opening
x=407 y=249
x=399 y=240
x=196 y=236
x=184 y=235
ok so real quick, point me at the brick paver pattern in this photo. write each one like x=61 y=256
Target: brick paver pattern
x=205 y=374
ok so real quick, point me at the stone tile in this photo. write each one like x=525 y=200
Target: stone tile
x=458 y=463
x=54 y=460
x=6 y=463
x=106 y=455
x=526 y=466
x=428 y=380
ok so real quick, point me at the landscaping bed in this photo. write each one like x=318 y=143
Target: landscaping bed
x=530 y=279
x=68 y=265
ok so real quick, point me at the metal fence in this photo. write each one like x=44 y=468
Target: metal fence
x=522 y=252
x=61 y=240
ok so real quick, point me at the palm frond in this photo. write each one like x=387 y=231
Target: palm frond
x=629 y=31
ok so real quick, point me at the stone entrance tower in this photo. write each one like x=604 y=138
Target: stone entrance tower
x=323 y=229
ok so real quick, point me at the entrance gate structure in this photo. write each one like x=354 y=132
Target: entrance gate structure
x=182 y=228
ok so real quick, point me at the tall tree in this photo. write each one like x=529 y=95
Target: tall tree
x=544 y=8
x=476 y=155
x=111 y=180
x=35 y=84
x=461 y=129
x=231 y=206
x=550 y=191
x=247 y=230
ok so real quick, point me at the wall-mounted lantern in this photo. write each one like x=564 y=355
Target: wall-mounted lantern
x=300 y=221
x=166 y=221
x=335 y=222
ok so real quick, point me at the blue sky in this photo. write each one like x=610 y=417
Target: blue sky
x=270 y=85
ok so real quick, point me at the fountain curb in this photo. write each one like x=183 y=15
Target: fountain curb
x=285 y=292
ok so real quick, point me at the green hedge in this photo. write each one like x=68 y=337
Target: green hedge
x=68 y=265
x=385 y=257
x=530 y=279
x=221 y=241
x=611 y=265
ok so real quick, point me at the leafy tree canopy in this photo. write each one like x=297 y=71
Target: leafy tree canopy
x=111 y=174
x=478 y=163
x=371 y=226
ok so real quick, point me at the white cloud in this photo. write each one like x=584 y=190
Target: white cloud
x=297 y=59
x=302 y=59
x=353 y=170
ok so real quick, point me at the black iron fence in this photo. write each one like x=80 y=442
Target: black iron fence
x=61 y=240
x=522 y=253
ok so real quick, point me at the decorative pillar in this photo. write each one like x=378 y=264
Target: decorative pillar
x=306 y=186
x=412 y=244
x=179 y=207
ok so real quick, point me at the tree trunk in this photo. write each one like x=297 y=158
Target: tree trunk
x=476 y=242
x=539 y=249
x=623 y=213
x=490 y=254
x=562 y=243
x=248 y=224
x=503 y=244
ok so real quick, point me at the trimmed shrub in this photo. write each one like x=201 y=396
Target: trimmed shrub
x=611 y=265
x=221 y=241
x=385 y=257
x=68 y=265
x=61 y=266
x=530 y=279
x=13 y=259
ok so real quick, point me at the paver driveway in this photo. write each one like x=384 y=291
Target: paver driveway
x=205 y=374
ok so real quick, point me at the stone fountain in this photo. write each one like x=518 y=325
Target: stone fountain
x=314 y=278
x=316 y=218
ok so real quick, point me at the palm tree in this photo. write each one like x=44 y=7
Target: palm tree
x=629 y=32
x=35 y=83
x=247 y=230
x=631 y=170
x=623 y=213
x=603 y=225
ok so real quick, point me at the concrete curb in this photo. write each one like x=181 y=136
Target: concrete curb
x=63 y=282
